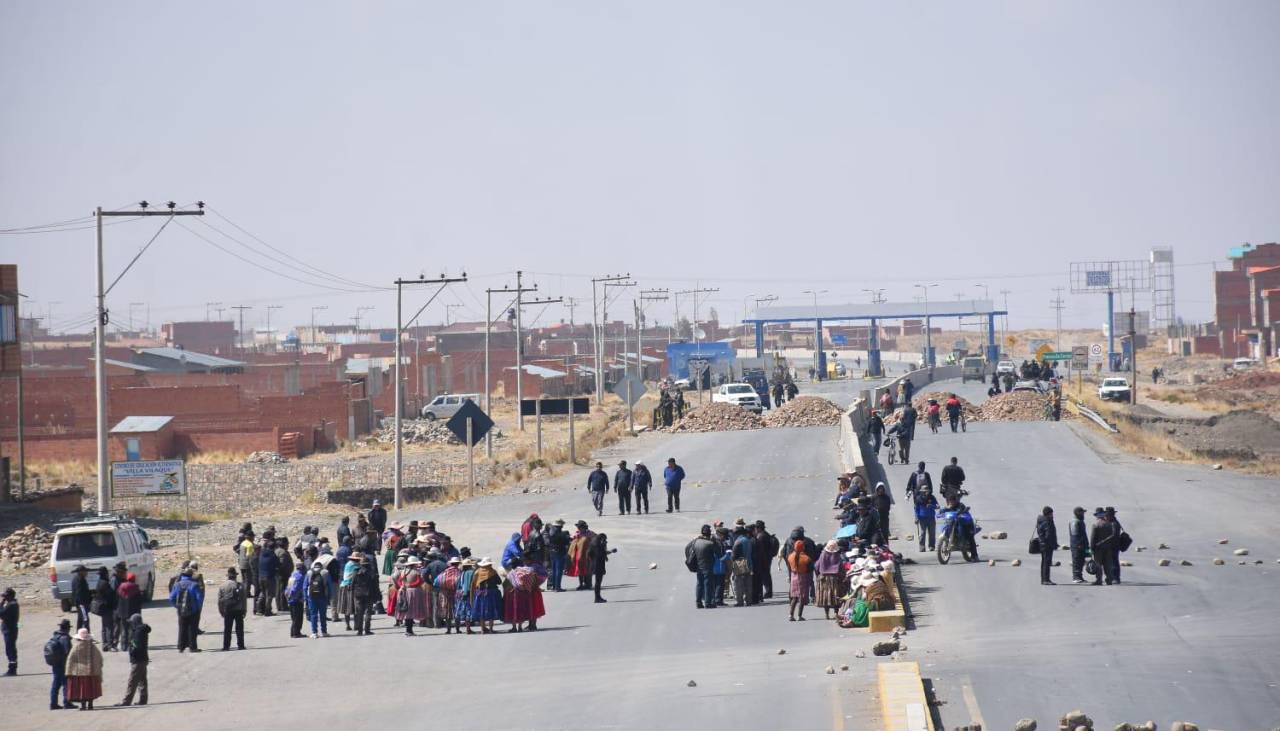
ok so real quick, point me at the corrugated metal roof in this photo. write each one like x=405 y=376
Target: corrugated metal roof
x=132 y=424
x=539 y=371
x=122 y=364
x=191 y=356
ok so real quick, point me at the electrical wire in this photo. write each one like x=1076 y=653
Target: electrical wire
x=72 y=228
x=341 y=283
x=267 y=269
x=325 y=274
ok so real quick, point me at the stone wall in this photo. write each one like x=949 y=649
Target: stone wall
x=363 y=497
x=236 y=489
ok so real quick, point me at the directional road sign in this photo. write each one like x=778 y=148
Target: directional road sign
x=632 y=396
x=480 y=423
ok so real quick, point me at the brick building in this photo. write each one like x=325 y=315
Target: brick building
x=218 y=336
x=1240 y=310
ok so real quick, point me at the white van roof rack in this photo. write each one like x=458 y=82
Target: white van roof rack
x=109 y=519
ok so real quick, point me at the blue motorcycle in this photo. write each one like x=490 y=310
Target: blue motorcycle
x=956 y=530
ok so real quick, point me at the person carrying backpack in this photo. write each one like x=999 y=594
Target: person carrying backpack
x=296 y=601
x=187 y=597
x=316 y=589
x=364 y=590
x=232 y=605
x=56 y=651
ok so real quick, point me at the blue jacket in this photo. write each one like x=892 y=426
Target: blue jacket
x=512 y=550
x=306 y=588
x=293 y=591
x=186 y=582
x=926 y=507
x=598 y=481
x=672 y=477
x=268 y=564
x=641 y=479
x=341 y=556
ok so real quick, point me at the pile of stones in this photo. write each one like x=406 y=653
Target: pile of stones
x=26 y=548
x=265 y=457
x=805 y=411
x=718 y=417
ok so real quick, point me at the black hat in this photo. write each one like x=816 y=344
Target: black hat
x=581 y=524
x=1109 y=510
x=64 y=624
x=1098 y=512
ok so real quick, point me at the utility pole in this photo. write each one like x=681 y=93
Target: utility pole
x=646 y=295
x=1057 y=306
x=697 y=290
x=99 y=338
x=817 y=335
x=360 y=314
x=447 y=309
x=521 y=303
x=271 y=338
x=1133 y=345
x=242 y=308
x=397 y=490
x=928 y=330
x=208 y=305
x=877 y=295
x=313 y=321
x=219 y=310
x=597 y=343
x=488 y=328
x=131 y=306
x=604 y=319
x=571 y=303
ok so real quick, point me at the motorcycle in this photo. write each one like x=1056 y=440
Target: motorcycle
x=949 y=530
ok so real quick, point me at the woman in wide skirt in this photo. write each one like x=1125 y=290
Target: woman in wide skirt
x=411 y=599
x=486 y=597
x=84 y=670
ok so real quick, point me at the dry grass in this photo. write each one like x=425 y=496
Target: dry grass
x=216 y=457
x=55 y=473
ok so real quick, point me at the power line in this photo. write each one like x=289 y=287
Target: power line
x=312 y=267
x=336 y=280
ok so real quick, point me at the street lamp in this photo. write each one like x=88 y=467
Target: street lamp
x=817 y=333
x=877 y=295
x=928 y=331
x=744 y=304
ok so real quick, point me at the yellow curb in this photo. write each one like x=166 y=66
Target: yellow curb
x=903 y=706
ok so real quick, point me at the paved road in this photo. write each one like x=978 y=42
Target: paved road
x=624 y=664
x=1198 y=643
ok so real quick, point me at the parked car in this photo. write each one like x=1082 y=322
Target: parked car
x=738 y=394
x=1006 y=366
x=1114 y=389
x=1242 y=364
x=446 y=405
x=95 y=542
x=973 y=368
x=1033 y=386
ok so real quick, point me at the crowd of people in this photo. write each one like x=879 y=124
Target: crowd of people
x=1094 y=549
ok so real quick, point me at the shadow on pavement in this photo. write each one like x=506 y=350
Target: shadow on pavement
x=149 y=703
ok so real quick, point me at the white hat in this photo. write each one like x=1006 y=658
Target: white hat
x=485 y=561
x=455 y=560
x=413 y=561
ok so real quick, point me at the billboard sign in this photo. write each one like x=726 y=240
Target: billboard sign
x=148 y=478
x=1079 y=357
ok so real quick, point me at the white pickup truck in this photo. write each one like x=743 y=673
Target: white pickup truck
x=738 y=394
x=1114 y=389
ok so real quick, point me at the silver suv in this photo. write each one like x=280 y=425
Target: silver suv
x=446 y=405
x=102 y=541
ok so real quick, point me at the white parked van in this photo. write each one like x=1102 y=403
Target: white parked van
x=446 y=405
x=96 y=542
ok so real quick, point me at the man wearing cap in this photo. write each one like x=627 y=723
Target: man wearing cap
x=1047 y=532
x=1102 y=541
x=641 y=481
x=874 y=430
x=9 y=612
x=81 y=596
x=186 y=597
x=700 y=555
x=672 y=477
x=598 y=485
x=232 y=607
x=378 y=522
x=558 y=551
x=58 y=665
x=622 y=486
x=1078 y=534
x=1110 y=514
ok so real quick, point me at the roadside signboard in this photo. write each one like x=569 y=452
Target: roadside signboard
x=839 y=339
x=556 y=406
x=1096 y=354
x=1057 y=355
x=148 y=479
x=480 y=423
x=629 y=389
x=1080 y=357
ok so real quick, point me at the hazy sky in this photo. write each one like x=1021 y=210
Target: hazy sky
x=761 y=147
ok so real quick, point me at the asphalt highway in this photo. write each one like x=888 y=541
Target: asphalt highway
x=1195 y=642
x=624 y=664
